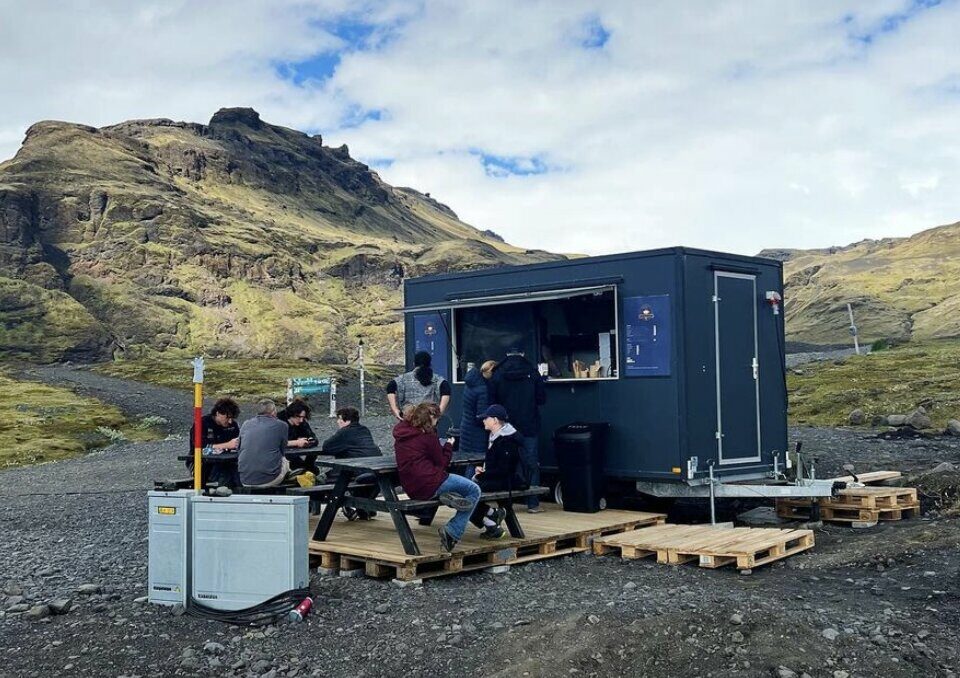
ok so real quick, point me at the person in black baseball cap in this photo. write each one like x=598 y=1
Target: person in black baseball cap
x=501 y=470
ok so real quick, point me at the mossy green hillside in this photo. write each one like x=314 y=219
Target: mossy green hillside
x=891 y=381
x=900 y=288
x=237 y=238
x=41 y=423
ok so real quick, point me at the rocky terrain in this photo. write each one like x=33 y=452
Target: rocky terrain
x=863 y=603
x=235 y=238
x=899 y=288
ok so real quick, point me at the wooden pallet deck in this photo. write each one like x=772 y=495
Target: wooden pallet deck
x=710 y=546
x=373 y=548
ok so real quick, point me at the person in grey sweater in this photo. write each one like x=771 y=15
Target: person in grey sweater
x=263 y=440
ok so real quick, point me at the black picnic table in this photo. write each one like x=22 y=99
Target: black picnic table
x=384 y=469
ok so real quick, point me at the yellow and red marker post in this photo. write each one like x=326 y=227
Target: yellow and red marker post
x=197 y=422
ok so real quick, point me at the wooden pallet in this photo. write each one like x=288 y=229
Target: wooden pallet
x=859 y=506
x=874 y=497
x=372 y=548
x=711 y=546
x=837 y=513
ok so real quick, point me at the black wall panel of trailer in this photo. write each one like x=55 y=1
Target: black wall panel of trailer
x=684 y=353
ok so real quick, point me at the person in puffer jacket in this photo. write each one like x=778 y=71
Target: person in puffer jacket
x=473 y=436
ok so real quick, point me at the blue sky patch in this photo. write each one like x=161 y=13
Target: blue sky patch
x=317 y=68
x=889 y=23
x=504 y=166
x=594 y=34
x=355 y=35
x=357 y=115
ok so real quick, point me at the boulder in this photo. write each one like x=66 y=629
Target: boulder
x=896 y=420
x=953 y=428
x=60 y=605
x=38 y=612
x=918 y=419
x=857 y=417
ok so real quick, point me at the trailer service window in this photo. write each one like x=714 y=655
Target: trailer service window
x=573 y=337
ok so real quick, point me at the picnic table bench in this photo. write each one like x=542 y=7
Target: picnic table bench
x=384 y=470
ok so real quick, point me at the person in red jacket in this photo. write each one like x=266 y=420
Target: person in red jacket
x=422 y=464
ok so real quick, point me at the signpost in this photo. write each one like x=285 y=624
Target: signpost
x=853 y=330
x=363 y=399
x=308 y=386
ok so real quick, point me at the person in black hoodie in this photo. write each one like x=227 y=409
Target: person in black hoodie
x=221 y=432
x=352 y=440
x=501 y=470
x=517 y=385
x=300 y=434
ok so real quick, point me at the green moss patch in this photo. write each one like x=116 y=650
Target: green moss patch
x=41 y=423
x=894 y=381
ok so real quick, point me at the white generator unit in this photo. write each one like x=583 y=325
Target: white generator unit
x=168 y=577
x=246 y=549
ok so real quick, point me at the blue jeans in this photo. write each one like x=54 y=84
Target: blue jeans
x=530 y=460
x=465 y=488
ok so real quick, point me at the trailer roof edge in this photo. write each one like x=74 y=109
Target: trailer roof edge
x=560 y=263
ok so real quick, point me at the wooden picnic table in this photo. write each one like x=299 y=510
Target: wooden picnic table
x=384 y=470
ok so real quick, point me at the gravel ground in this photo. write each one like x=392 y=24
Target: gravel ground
x=884 y=601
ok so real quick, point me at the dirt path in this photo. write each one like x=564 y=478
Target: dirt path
x=135 y=399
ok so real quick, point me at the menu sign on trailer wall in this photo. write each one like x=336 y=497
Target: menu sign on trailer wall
x=430 y=335
x=648 y=335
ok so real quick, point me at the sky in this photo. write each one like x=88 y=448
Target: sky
x=572 y=126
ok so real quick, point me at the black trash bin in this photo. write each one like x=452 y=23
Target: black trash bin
x=579 y=449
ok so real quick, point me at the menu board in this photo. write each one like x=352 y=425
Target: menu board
x=430 y=335
x=648 y=335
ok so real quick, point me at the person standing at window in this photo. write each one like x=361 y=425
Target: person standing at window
x=517 y=385
x=420 y=385
x=473 y=436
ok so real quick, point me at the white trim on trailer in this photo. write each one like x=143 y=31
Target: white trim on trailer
x=518 y=298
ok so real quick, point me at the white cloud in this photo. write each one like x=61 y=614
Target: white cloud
x=724 y=124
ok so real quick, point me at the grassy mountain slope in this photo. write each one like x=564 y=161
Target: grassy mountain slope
x=236 y=238
x=899 y=288
x=894 y=381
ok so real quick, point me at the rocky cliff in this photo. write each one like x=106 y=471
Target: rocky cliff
x=899 y=288
x=235 y=238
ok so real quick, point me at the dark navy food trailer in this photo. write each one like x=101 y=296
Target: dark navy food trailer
x=680 y=351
